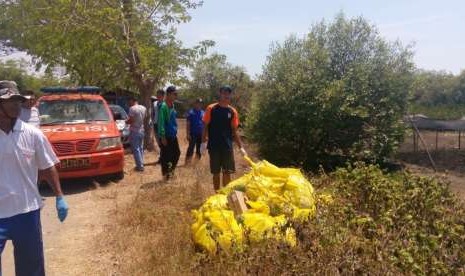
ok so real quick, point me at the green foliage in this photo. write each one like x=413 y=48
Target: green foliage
x=106 y=43
x=377 y=224
x=17 y=71
x=440 y=112
x=211 y=72
x=112 y=44
x=339 y=92
x=438 y=95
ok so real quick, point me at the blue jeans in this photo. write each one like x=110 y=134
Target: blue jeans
x=25 y=232
x=137 y=145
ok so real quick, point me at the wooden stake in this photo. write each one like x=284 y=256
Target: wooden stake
x=460 y=134
x=424 y=144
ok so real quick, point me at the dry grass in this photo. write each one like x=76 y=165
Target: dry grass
x=151 y=235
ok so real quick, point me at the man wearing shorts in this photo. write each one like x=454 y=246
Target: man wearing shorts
x=221 y=122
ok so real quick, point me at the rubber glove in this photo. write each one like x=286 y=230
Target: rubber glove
x=62 y=208
x=244 y=153
x=203 y=148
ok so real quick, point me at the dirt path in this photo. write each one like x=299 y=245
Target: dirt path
x=70 y=247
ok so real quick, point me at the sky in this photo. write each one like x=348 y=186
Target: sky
x=244 y=29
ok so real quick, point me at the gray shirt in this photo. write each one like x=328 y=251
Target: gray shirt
x=137 y=113
x=30 y=116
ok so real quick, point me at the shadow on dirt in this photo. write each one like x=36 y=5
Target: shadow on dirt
x=77 y=186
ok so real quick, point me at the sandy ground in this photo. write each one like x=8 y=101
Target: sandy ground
x=69 y=246
x=448 y=158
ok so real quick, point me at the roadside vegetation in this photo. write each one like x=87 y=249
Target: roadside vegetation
x=376 y=223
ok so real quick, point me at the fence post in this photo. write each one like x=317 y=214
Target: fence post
x=460 y=134
x=414 y=136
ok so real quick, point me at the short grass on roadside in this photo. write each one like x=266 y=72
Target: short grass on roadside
x=152 y=234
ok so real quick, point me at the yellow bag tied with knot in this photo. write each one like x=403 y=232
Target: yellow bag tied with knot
x=277 y=197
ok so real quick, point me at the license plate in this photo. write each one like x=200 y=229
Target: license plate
x=75 y=163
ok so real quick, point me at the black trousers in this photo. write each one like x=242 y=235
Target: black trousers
x=195 y=142
x=169 y=156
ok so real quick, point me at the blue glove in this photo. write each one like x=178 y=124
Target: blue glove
x=62 y=208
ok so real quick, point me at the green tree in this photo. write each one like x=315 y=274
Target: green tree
x=439 y=95
x=127 y=43
x=339 y=92
x=211 y=72
x=17 y=70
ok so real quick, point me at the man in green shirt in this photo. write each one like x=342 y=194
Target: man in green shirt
x=168 y=131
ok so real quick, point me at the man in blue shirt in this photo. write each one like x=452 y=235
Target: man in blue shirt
x=194 y=130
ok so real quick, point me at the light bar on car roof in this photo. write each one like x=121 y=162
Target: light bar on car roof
x=79 y=89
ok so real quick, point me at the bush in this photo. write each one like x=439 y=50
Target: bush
x=337 y=93
x=377 y=224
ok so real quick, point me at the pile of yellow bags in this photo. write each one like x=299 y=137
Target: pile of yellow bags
x=275 y=197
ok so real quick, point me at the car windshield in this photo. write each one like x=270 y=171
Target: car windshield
x=72 y=111
x=116 y=109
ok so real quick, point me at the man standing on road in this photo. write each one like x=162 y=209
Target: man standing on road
x=136 y=118
x=168 y=131
x=25 y=155
x=194 y=130
x=155 y=109
x=30 y=113
x=221 y=122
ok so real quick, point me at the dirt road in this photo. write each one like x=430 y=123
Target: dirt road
x=70 y=247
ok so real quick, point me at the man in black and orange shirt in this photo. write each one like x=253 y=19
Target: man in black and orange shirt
x=221 y=122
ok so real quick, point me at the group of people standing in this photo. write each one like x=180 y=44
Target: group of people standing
x=214 y=129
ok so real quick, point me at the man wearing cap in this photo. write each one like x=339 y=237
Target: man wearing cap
x=168 y=132
x=25 y=155
x=221 y=122
x=194 y=130
x=30 y=113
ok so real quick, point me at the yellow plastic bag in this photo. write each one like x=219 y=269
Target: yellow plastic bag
x=216 y=202
x=258 y=207
x=202 y=237
x=261 y=226
x=275 y=195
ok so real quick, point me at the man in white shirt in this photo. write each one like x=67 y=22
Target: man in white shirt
x=136 y=119
x=30 y=113
x=25 y=154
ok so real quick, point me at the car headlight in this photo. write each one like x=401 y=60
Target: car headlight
x=106 y=143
